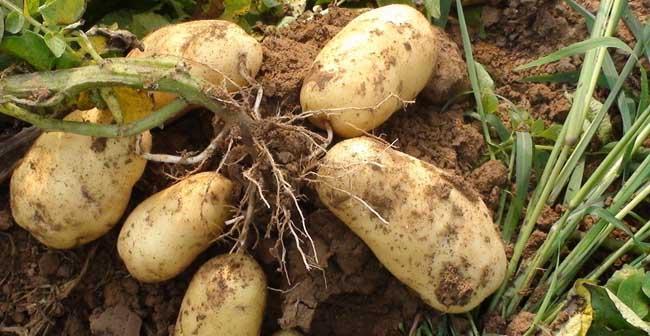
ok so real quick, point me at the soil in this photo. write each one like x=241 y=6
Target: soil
x=350 y=293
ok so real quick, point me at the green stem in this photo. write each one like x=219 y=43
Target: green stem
x=149 y=74
x=97 y=130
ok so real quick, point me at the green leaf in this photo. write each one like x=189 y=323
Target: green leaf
x=550 y=133
x=2 y=23
x=56 y=43
x=62 y=12
x=611 y=311
x=14 y=22
x=31 y=7
x=646 y=284
x=523 y=165
x=433 y=8
x=629 y=291
x=644 y=98
x=579 y=48
x=31 y=48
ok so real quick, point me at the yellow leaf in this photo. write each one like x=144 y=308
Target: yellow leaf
x=135 y=104
x=579 y=323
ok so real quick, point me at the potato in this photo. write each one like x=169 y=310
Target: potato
x=166 y=232
x=427 y=227
x=226 y=296
x=449 y=76
x=356 y=78
x=71 y=189
x=221 y=46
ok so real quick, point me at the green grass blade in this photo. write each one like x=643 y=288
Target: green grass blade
x=523 y=165
x=579 y=48
x=473 y=76
x=644 y=97
x=575 y=182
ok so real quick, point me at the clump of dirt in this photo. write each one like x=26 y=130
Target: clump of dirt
x=488 y=179
x=352 y=293
x=494 y=323
x=453 y=288
x=443 y=139
x=549 y=216
x=535 y=240
x=289 y=52
x=520 y=324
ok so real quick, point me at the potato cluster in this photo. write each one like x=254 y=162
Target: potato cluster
x=428 y=228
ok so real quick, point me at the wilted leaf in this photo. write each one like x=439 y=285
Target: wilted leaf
x=14 y=22
x=140 y=24
x=62 y=12
x=56 y=43
x=134 y=104
x=235 y=8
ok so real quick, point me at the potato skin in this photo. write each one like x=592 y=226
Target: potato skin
x=219 y=45
x=439 y=240
x=226 y=296
x=166 y=232
x=386 y=51
x=71 y=189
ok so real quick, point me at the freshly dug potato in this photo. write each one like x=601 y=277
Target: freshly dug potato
x=71 y=189
x=226 y=296
x=166 y=232
x=429 y=228
x=381 y=54
x=449 y=76
x=222 y=48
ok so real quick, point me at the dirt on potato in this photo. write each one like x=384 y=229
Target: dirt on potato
x=87 y=291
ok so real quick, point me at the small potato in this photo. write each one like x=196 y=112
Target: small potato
x=428 y=228
x=166 y=232
x=226 y=296
x=71 y=189
x=359 y=78
x=221 y=47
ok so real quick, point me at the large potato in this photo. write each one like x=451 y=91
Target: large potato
x=434 y=234
x=221 y=47
x=71 y=189
x=383 y=53
x=225 y=297
x=166 y=232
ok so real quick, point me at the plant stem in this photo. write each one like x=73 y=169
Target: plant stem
x=97 y=130
x=163 y=74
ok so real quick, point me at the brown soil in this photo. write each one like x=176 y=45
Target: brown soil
x=520 y=324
